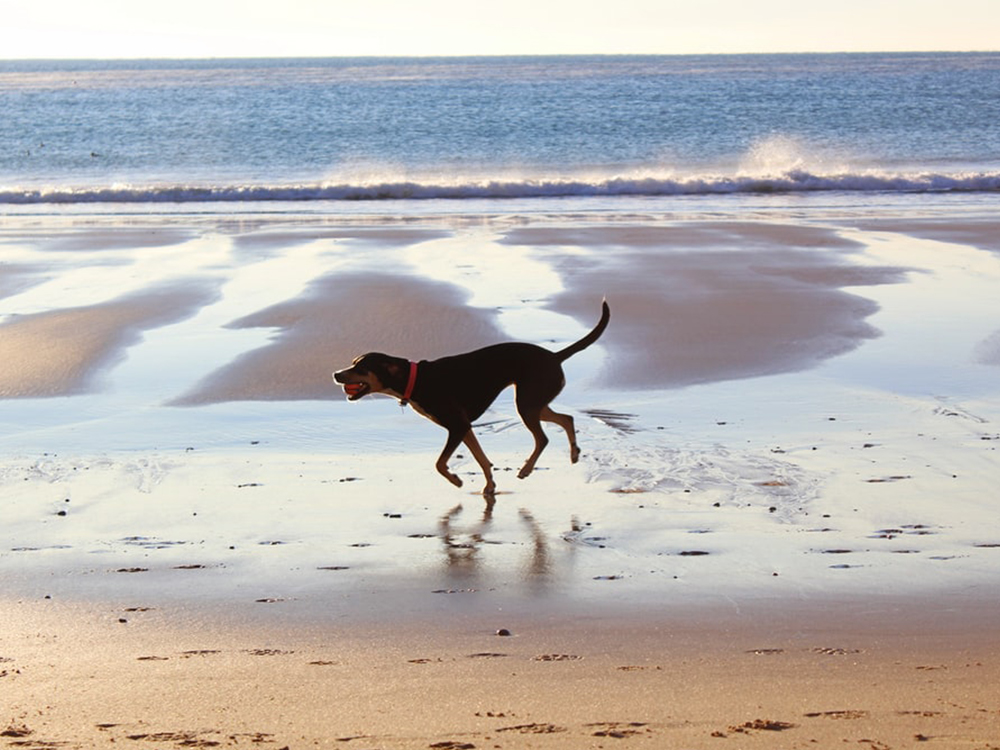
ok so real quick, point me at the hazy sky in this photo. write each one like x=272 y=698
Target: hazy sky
x=255 y=28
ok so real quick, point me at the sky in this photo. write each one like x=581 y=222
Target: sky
x=323 y=28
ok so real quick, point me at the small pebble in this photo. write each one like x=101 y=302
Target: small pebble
x=503 y=631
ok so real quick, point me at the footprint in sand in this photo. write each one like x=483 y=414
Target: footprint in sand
x=16 y=730
x=619 y=730
x=835 y=651
x=761 y=725
x=846 y=714
x=267 y=652
x=199 y=652
x=187 y=739
x=533 y=729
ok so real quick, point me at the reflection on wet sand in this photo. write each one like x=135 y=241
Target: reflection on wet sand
x=463 y=547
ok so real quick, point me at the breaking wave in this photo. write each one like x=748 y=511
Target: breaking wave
x=793 y=181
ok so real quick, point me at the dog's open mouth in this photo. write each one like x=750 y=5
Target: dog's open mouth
x=355 y=391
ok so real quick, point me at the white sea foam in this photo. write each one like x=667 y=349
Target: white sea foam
x=648 y=184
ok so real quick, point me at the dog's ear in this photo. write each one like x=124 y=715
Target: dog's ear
x=394 y=369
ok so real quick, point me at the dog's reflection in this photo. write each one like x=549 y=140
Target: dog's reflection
x=463 y=545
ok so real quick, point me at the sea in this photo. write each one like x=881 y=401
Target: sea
x=418 y=134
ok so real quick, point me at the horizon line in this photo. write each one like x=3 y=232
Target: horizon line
x=445 y=56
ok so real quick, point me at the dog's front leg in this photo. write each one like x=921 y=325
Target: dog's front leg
x=455 y=436
x=472 y=442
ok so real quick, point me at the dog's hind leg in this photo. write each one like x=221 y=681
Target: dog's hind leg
x=531 y=418
x=566 y=422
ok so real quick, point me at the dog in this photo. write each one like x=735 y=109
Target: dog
x=454 y=391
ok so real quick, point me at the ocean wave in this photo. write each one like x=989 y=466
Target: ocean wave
x=795 y=181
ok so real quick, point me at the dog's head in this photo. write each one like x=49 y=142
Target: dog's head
x=373 y=373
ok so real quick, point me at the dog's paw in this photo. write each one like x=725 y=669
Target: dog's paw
x=442 y=468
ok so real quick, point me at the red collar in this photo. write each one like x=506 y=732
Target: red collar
x=409 y=384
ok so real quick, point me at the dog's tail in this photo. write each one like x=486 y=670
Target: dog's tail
x=590 y=338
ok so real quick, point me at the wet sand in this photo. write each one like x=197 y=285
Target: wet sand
x=781 y=532
x=62 y=352
x=333 y=321
x=738 y=300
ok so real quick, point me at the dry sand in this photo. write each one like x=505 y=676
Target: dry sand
x=876 y=674
x=782 y=532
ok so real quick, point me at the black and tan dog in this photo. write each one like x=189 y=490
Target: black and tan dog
x=455 y=391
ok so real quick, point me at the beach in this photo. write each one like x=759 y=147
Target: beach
x=781 y=532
